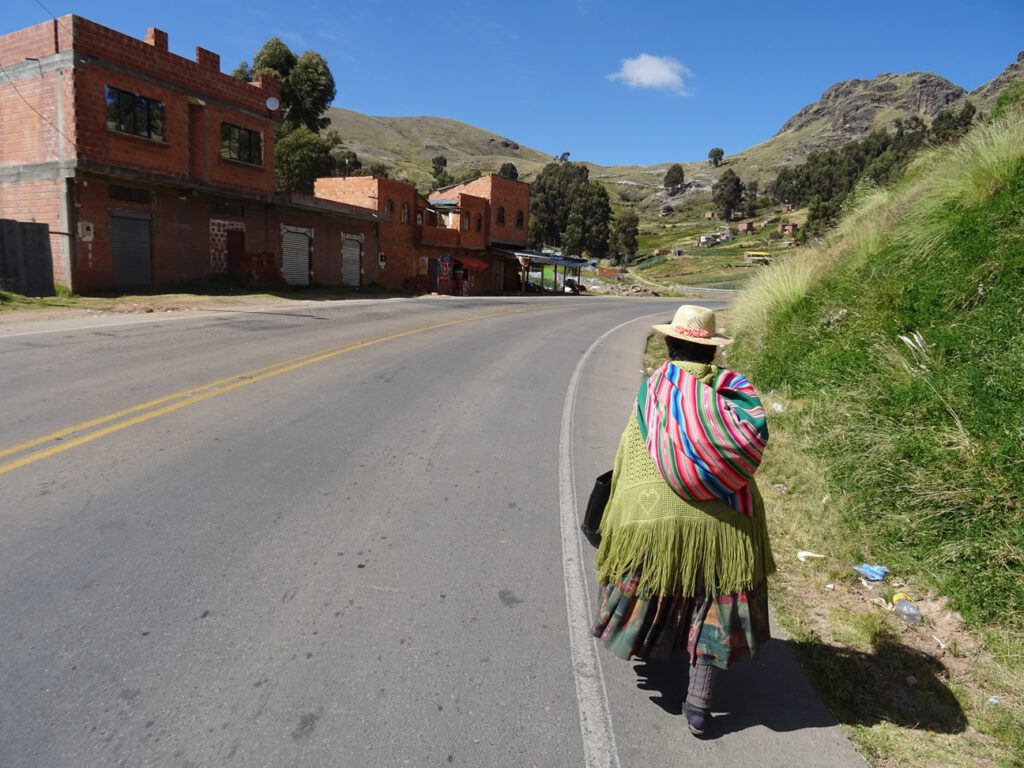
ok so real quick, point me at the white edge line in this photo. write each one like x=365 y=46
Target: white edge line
x=599 y=750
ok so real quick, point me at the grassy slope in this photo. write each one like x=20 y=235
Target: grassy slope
x=407 y=144
x=920 y=449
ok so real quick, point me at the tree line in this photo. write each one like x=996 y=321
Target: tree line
x=825 y=179
x=570 y=212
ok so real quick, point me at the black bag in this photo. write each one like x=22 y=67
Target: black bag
x=595 y=508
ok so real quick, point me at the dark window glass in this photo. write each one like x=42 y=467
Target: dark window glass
x=134 y=114
x=519 y=220
x=241 y=144
x=479 y=222
x=405 y=213
x=501 y=215
x=129 y=194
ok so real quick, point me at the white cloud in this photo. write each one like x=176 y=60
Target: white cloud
x=661 y=73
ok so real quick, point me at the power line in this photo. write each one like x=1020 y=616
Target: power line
x=28 y=104
x=52 y=15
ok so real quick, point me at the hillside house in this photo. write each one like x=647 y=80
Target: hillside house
x=152 y=170
x=710 y=214
x=745 y=228
x=786 y=228
x=714 y=238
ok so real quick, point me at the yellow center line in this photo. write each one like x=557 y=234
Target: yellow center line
x=198 y=394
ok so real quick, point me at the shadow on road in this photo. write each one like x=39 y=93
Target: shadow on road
x=893 y=684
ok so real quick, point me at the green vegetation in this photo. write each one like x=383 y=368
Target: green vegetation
x=569 y=211
x=674 y=179
x=826 y=178
x=894 y=349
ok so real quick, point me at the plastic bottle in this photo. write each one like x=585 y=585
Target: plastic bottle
x=906 y=608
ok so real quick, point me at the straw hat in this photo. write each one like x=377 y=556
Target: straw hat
x=696 y=324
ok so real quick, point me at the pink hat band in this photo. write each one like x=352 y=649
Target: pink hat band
x=699 y=333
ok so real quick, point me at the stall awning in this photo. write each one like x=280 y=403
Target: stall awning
x=537 y=258
x=476 y=264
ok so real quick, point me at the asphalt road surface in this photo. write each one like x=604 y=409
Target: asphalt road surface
x=343 y=534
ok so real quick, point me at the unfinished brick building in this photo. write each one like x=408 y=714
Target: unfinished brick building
x=152 y=170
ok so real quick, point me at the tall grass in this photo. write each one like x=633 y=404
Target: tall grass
x=904 y=331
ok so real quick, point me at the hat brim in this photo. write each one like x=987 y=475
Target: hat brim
x=717 y=340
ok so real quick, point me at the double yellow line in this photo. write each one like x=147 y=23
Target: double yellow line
x=94 y=429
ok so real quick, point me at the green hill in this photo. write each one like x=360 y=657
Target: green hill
x=892 y=353
x=407 y=144
x=902 y=338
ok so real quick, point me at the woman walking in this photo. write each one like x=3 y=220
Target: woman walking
x=684 y=553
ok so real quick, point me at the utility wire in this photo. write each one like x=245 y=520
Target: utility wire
x=28 y=104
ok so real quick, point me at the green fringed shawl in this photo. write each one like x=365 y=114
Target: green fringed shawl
x=686 y=548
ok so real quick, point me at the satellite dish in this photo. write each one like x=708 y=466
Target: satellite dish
x=272 y=103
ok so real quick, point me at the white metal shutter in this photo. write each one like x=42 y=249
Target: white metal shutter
x=351 y=260
x=130 y=250
x=295 y=257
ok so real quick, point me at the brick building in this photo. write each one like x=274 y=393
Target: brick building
x=152 y=170
x=459 y=240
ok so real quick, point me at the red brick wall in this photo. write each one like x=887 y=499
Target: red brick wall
x=511 y=194
x=354 y=190
x=157 y=74
x=39 y=202
x=396 y=240
x=40 y=40
x=472 y=207
x=325 y=261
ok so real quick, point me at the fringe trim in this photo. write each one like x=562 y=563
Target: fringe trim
x=717 y=552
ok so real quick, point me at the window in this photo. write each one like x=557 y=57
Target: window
x=129 y=194
x=389 y=206
x=227 y=209
x=479 y=222
x=134 y=114
x=465 y=221
x=405 y=213
x=519 y=220
x=501 y=215
x=241 y=144
x=419 y=218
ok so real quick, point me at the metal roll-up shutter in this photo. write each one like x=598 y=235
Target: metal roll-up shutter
x=131 y=250
x=295 y=257
x=351 y=260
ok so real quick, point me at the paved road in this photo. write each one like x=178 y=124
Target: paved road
x=337 y=535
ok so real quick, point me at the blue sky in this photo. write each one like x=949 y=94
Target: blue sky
x=659 y=82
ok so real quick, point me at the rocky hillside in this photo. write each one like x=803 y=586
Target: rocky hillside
x=850 y=109
x=985 y=96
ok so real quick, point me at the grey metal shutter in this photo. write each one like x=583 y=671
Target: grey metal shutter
x=351 y=260
x=131 y=250
x=295 y=257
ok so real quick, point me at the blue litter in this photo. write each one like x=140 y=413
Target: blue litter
x=871 y=572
